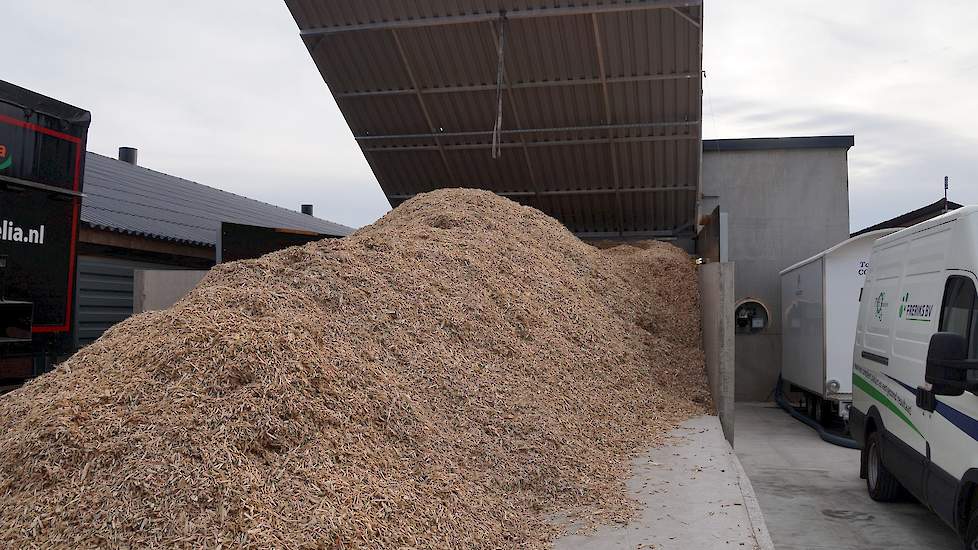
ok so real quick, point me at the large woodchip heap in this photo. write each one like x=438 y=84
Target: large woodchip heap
x=449 y=377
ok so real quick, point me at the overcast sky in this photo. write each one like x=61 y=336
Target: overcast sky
x=225 y=93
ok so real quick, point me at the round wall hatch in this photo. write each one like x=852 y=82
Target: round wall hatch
x=751 y=316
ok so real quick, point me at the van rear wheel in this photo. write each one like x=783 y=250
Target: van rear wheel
x=881 y=484
x=971 y=534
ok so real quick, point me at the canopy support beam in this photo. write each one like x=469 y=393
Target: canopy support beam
x=421 y=103
x=599 y=45
x=529 y=13
x=572 y=192
x=685 y=16
x=598 y=127
x=522 y=85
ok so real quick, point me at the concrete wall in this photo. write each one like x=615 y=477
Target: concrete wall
x=782 y=206
x=155 y=289
x=716 y=282
x=711 y=241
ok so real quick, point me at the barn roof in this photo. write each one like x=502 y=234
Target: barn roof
x=913 y=217
x=134 y=200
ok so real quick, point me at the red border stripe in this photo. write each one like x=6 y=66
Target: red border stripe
x=41 y=129
x=66 y=327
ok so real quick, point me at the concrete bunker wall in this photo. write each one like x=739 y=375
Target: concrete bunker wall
x=716 y=283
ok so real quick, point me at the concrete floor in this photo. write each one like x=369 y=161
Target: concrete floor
x=693 y=495
x=811 y=494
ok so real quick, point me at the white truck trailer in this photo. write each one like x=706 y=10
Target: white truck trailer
x=819 y=307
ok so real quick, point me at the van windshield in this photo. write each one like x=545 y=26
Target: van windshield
x=958 y=313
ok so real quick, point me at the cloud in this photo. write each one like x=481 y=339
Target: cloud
x=897 y=165
x=223 y=92
x=893 y=73
x=219 y=92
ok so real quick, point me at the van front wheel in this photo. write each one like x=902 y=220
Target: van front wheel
x=971 y=534
x=882 y=485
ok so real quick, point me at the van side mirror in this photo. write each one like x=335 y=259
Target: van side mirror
x=948 y=369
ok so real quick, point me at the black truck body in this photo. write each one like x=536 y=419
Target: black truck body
x=42 y=155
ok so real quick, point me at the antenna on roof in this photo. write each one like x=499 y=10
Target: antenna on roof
x=945 y=194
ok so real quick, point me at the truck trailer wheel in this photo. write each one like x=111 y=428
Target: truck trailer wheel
x=811 y=405
x=816 y=408
x=881 y=484
x=819 y=412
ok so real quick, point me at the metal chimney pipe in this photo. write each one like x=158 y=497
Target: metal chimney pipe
x=307 y=209
x=128 y=154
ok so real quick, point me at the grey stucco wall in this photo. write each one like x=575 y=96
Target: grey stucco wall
x=783 y=206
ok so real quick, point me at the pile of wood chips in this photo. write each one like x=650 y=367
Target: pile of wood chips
x=448 y=377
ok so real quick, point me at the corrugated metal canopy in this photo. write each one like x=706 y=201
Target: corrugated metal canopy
x=601 y=101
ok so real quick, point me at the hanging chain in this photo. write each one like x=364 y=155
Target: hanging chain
x=500 y=74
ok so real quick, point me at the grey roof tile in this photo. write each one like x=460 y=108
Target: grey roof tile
x=138 y=201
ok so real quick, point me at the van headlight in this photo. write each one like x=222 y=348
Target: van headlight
x=833 y=386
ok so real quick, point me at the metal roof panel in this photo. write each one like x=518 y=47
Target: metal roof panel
x=135 y=200
x=601 y=101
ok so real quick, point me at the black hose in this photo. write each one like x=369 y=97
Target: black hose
x=826 y=436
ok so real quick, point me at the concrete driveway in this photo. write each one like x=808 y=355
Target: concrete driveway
x=811 y=494
x=692 y=494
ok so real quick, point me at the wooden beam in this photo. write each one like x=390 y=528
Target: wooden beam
x=102 y=237
x=530 y=144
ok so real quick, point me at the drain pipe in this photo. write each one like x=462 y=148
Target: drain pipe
x=826 y=436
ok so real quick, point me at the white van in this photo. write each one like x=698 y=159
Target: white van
x=915 y=368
